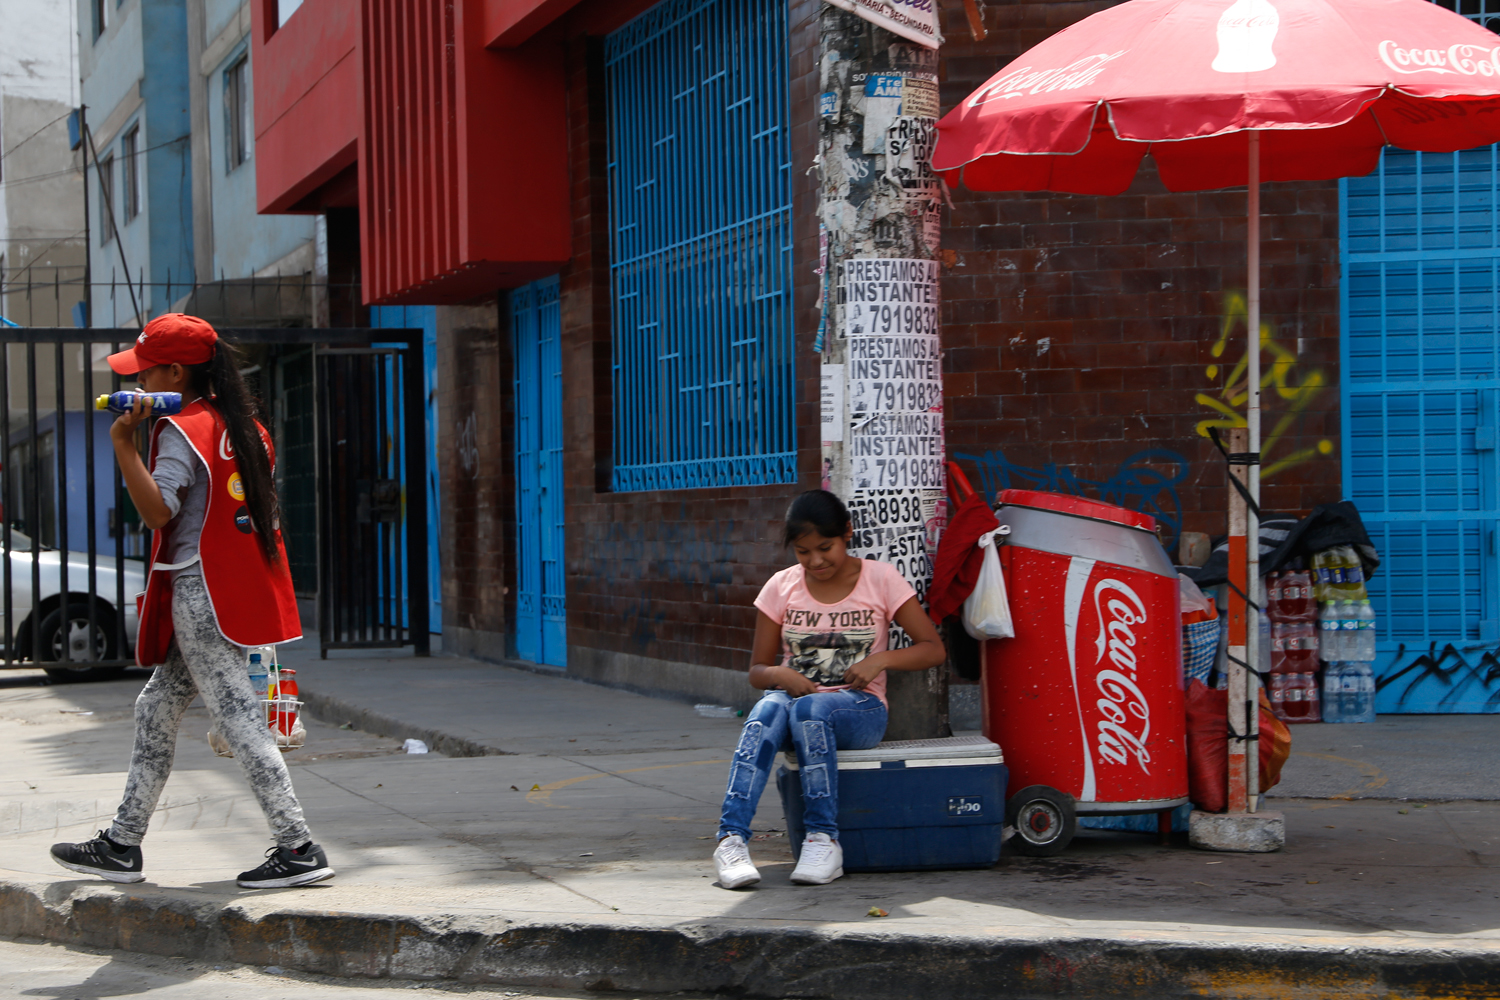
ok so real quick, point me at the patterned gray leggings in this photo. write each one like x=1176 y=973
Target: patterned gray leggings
x=203 y=661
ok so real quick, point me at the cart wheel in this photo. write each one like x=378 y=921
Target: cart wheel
x=1044 y=820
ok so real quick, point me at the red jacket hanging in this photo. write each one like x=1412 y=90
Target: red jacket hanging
x=252 y=599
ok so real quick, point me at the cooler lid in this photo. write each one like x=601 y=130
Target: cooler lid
x=952 y=751
x=1062 y=503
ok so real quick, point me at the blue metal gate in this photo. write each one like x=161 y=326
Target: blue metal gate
x=1421 y=363
x=541 y=596
x=701 y=207
x=425 y=317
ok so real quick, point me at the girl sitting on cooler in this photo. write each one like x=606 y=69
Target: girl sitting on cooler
x=821 y=656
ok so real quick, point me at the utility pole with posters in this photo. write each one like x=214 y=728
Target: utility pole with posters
x=882 y=390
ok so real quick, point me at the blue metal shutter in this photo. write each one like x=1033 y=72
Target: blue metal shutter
x=700 y=199
x=541 y=605
x=1421 y=362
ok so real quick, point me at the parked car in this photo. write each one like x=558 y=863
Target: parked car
x=58 y=638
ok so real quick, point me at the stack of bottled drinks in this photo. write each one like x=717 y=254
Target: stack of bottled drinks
x=1322 y=613
x=1293 y=611
x=1346 y=636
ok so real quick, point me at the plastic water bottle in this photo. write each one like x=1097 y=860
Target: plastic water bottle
x=260 y=677
x=1333 y=705
x=1364 y=643
x=163 y=404
x=1349 y=630
x=1358 y=693
x=1329 y=649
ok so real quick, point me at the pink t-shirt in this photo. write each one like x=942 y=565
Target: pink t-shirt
x=822 y=641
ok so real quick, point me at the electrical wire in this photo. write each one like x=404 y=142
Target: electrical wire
x=35 y=134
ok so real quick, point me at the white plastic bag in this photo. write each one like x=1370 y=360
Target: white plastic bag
x=987 y=609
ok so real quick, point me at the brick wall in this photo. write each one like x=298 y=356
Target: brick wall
x=1088 y=338
x=476 y=489
x=1086 y=341
x=660 y=585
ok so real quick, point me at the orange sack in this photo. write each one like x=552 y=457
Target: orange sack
x=1208 y=746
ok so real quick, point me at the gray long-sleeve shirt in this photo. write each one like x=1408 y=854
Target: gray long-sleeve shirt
x=183 y=481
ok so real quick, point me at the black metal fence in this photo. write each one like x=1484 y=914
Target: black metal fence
x=346 y=410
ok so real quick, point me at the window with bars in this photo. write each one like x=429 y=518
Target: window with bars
x=130 y=172
x=239 y=126
x=105 y=170
x=700 y=204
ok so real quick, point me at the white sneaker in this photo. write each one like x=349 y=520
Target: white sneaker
x=821 y=862
x=732 y=863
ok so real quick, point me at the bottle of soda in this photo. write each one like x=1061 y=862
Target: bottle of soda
x=286 y=705
x=1301 y=640
x=1276 y=694
x=1278 y=647
x=1297 y=601
x=1322 y=572
x=1314 y=703
x=163 y=404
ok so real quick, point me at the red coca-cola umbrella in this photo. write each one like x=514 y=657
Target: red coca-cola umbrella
x=1326 y=83
x=1223 y=93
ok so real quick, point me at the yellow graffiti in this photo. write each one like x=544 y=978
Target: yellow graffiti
x=1277 y=378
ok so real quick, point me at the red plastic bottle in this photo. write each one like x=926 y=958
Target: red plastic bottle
x=286 y=712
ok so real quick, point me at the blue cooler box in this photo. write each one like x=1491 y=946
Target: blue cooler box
x=911 y=804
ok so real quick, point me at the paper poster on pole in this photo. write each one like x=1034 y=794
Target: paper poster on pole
x=894 y=408
x=915 y=20
x=832 y=402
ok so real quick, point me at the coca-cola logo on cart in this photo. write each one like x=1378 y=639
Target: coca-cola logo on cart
x=1125 y=714
x=1455 y=60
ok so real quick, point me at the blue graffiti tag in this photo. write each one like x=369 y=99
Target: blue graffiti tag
x=1135 y=485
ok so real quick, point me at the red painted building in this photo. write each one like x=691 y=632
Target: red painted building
x=463 y=151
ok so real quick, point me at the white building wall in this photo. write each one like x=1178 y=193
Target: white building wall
x=41 y=203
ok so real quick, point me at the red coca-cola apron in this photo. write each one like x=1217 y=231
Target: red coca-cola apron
x=252 y=598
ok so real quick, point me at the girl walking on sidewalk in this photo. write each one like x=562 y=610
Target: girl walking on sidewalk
x=218 y=583
x=820 y=655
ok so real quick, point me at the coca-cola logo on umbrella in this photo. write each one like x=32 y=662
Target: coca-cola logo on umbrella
x=1459 y=60
x=1026 y=80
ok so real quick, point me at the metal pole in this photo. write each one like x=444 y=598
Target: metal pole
x=88 y=248
x=1252 y=513
x=1240 y=623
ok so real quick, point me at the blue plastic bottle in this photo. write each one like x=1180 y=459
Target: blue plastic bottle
x=163 y=404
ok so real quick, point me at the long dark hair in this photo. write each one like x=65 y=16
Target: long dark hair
x=219 y=382
x=815 y=510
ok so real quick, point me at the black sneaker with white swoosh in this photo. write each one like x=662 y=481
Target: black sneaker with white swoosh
x=286 y=867
x=100 y=857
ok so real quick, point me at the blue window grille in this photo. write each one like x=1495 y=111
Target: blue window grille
x=700 y=198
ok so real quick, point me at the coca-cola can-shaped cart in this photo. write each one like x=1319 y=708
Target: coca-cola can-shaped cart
x=1087 y=699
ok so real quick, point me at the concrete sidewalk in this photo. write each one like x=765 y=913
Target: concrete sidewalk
x=568 y=847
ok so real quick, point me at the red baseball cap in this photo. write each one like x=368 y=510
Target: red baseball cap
x=171 y=338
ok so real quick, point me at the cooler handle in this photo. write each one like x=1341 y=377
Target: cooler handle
x=958 y=484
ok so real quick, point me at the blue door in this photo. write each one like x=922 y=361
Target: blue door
x=1421 y=363
x=408 y=317
x=541 y=602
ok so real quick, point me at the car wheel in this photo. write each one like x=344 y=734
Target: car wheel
x=66 y=638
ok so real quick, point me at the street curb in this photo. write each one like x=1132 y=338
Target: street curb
x=747 y=959
x=339 y=713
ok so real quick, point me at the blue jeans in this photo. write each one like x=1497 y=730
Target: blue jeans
x=816 y=724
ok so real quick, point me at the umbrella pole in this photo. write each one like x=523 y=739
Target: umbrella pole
x=1253 y=653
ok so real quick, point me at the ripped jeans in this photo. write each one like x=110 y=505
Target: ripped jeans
x=817 y=725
